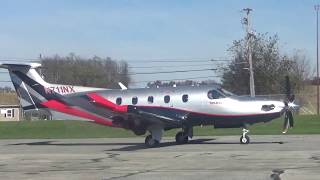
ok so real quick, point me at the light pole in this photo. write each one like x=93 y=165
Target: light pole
x=249 y=38
x=316 y=7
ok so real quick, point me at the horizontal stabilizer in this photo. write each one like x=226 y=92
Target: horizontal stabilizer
x=21 y=65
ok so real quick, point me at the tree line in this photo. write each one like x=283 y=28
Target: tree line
x=157 y=84
x=92 y=72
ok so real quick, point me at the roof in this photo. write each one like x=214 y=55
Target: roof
x=9 y=98
x=10 y=106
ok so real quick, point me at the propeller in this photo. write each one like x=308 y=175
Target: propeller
x=289 y=107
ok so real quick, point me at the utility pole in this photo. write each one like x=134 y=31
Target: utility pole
x=316 y=7
x=246 y=22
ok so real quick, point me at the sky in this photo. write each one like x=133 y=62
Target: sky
x=135 y=30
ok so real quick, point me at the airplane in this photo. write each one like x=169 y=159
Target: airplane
x=152 y=110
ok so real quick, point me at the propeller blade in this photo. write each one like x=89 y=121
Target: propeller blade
x=288 y=87
x=290 y=97
x=285 y=124
x=288 y=121
x=290 y=117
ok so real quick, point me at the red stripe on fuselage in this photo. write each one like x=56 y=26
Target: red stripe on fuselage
x=58 y=106
x=106 y=103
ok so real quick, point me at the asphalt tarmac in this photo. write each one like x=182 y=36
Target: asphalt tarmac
x=293 y=157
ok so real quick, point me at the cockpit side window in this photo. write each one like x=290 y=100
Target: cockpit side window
x=213 y=94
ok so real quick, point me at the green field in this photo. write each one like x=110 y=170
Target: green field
x=304 y=124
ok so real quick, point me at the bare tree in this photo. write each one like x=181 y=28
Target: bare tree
x=95 y=71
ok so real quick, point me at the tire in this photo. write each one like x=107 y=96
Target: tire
x=150 y=142
x=181 y=138
x=244 y=139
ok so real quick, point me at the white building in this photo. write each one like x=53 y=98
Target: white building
x=10 y=113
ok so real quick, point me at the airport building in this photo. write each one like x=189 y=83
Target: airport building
x=10 y=113
x=10 y=109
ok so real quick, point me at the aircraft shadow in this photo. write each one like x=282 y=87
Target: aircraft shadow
x=55 y=143
x=197 y=141
x=137 y=146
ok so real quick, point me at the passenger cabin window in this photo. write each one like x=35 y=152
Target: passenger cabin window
x=166 y=99
x=134 y=100
x=150 y=99
x=185 y=98
x=213 y=94
x=119 y=101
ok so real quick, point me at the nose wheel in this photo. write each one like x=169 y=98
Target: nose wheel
x=244 y=139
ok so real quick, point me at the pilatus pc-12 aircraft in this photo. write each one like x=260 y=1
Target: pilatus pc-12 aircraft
x=152 y=110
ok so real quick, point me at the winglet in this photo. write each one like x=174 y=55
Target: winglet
x=123 y=87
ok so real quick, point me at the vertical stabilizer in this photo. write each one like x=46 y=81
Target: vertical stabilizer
x=28 y=83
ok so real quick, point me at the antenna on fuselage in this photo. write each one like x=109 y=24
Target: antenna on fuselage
x=122 y=86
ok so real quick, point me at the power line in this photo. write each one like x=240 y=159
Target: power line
x=150 y=67
x=168 y=60
x=178 y=71
x=20 y=60
x=201 y=77
x=177 y=60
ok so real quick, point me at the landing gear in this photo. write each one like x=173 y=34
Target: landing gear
x=182 y=138
x=244 y=139
x=150 y=142
x=153 y=140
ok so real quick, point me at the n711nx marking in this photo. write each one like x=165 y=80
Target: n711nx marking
x=60 y=89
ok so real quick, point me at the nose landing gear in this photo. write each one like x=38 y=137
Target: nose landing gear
x=244 y=139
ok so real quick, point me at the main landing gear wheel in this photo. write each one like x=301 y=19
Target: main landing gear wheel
x=150 y=142
x=244 y=139
x=181 y=138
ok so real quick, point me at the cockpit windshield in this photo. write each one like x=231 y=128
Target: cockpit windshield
x=219 y=93
x=214 y=94
x=225 y=92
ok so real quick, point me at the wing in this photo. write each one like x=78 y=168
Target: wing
x=158 y=115
x=166 y=117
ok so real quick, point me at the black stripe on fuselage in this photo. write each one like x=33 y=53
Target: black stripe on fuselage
x=225 y=121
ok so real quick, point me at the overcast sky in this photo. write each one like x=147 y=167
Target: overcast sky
x=142 y=29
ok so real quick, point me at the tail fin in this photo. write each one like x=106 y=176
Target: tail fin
x=29 y=85
x=33 y=90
